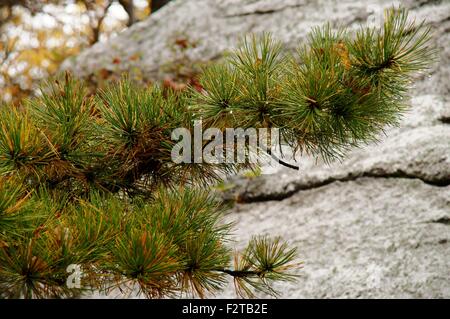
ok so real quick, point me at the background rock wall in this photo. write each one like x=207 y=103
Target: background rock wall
x=375 y=225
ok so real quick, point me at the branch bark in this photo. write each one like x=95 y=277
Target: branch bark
x=96 y=25
x=155 y=5
x=129 y=8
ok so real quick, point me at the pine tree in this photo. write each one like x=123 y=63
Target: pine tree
x=89 y=179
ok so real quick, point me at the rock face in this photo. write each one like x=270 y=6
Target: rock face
x=376 y=224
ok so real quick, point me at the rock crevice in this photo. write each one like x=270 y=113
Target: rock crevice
x=262 y=11
x=245 y=196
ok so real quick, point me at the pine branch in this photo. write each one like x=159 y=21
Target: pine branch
x=90 y=180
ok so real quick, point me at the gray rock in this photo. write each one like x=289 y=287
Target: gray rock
x=367 y=238
x=420 y=153
x=216 y=26
x=377 y=224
